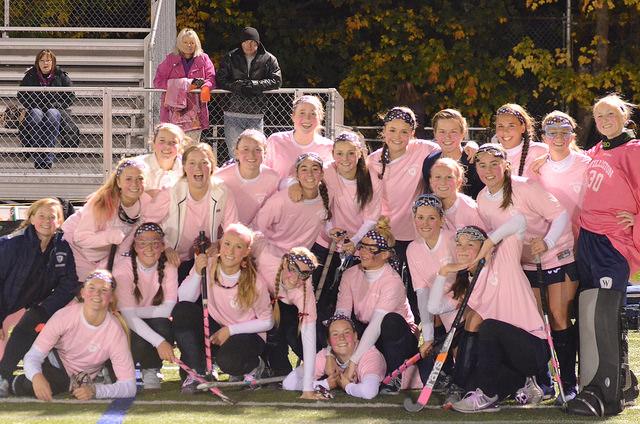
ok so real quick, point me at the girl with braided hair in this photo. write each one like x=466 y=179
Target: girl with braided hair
x=147 y=292
x=238 y=306
x=374 y=294
x=515 y=131
x=398 y=165
x=294 y=312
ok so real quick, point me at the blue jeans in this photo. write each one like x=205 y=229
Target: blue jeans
x=42 y=130
x=235 y=123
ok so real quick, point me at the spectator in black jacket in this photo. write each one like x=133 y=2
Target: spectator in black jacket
x=247 y=71
x=46 y=114
x=37 y=273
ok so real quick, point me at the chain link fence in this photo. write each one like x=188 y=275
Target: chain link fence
x=76 y=13
x=64 y=141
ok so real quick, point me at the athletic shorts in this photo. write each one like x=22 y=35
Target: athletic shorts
x=600 y=265
x=553 y=275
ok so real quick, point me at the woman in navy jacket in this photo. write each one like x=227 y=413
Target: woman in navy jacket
x=38 y=273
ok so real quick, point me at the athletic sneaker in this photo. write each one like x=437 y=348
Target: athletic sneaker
x=548 y=392
x=189 y=386
x=454 y=394
x=255 y=374
x=150 y=379
x=4 y=387
x=569 y=394
x=477 y=401
x=530 y=393
x=393 y=388
x=442 y=383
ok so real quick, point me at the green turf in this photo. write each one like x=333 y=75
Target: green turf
x=205 y=408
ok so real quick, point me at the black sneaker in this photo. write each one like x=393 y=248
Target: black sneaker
x=393 y=388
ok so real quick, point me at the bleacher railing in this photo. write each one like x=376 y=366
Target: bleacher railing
x=105 y=124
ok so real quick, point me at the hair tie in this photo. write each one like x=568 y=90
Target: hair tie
x=338 y=317
x=428 y=200
x=149 y=226
x=397 y=113
x=312 y=156
x=506 y=110
x=125 y=164
x=493 y=149
x=473 y=232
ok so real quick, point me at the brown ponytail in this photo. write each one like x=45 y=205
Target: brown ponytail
x=324 y=194
x=507 y=189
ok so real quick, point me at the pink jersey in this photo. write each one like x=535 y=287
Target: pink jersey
x=148 y=283
x=288 y=224
x=250 y=195
x=198 y=213
x=282 y=151
x=539 y=209
x=613 y=181
x=372 y=362
x=463 y=212
x=84 y=347
x=565 y=180
x=536 y=150
x=91 y=242
x=401 y=183
x=223 y=304
x=154 y=176
x=503 y=292
x=343 y=198
x=362 y=298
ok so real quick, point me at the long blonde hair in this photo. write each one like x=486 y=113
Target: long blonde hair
x=33 y=209
x=188 y=32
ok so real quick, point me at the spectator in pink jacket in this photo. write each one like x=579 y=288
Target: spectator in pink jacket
x=187 y=67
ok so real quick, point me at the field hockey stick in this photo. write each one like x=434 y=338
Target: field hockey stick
x=200 y=379
x=259 y=382
x=406 y=364
x=327 y=264
x=425 y=394
x=547 y=328
x=202 y=246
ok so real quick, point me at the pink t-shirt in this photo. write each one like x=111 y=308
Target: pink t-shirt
x=387 y=293
x=198 y=215
x=148 y=283
x=343 y=198
x=288 y=224
x=539 y=209
x=503 y=291
x=463 y=212
x=401 y=183
x=536 y=150
x=613 y=178
x=282 y=151
x=372 y=362
x=249 y=195
x=84 y=347
x=566 y=181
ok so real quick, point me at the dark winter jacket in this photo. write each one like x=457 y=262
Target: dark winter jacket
x=247 y=84
x=17 y=254
x=46 y=100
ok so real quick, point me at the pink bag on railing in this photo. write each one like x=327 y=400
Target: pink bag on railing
x=184 y=107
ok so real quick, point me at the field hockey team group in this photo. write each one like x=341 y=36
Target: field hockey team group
x=354 y=261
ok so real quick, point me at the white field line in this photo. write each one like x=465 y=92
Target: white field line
x=319 y=404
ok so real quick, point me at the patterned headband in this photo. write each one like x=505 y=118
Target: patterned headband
x=381 y=242
x=428 y=200
x=149 y=226
x=103 y=275
x=312 y=156
x=557 y=122
x=127 y=163
x=472 y=231
x=302 y=258
x=506 y=110
x=350 y=137
x=397 y=113
x=492 y=149
x=338 y=317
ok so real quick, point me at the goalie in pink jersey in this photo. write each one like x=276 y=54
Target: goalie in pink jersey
x=74 y=346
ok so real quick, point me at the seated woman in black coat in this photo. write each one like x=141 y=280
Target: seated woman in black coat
x=46 y=116
x=38 y=273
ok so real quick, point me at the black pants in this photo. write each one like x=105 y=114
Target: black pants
x=401 y=253
x=326 y=302
x=22 y=337
x=184 y=269
x=396 y=341
x=506 y=356
x=237 y=356
x=56 y=376
x=142 y=351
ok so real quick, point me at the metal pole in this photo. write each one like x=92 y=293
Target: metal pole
x=6 y=18
x=107 y=138
x=568 y=29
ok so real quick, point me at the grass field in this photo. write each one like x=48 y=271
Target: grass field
x=276 y=406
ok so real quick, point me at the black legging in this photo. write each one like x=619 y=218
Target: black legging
x=56 y=376
x=22 y=337
x=401 y=252
x=237 y=356
x=506 y=356
x=142 y=351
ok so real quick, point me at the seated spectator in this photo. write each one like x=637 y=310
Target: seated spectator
x=46 y=117
x=183 y=70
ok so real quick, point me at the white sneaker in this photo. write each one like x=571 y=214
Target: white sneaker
x=150 y=379
x=477 y=401
x=531 y=393
x=4 y=387
x=255 y=374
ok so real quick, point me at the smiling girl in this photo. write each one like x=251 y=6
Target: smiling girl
x=163 y=167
